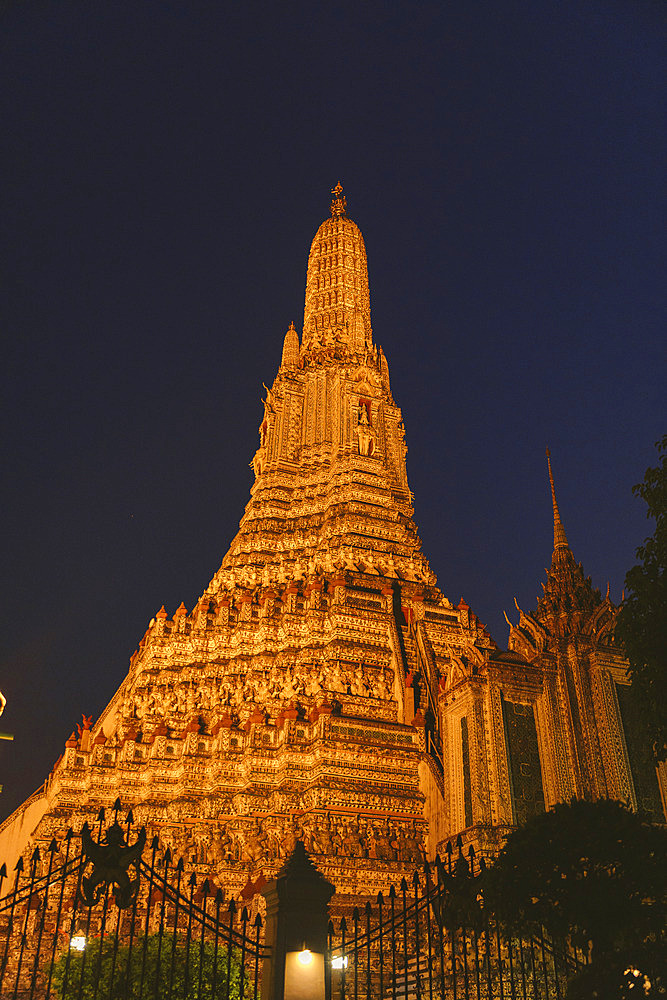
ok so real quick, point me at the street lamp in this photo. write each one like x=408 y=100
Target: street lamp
x=304 y=975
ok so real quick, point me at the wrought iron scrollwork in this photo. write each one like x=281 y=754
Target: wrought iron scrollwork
x=111 y=859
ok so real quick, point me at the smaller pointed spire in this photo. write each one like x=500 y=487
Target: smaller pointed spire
x=338 y=202
x=290 y=358
x=560 y=538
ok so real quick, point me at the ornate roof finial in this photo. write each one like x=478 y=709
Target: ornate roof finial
x=338 y=202
x=560 y=538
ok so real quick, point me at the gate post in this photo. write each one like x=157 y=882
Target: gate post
x=297 y=919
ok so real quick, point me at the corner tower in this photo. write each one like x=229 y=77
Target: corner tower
x=590 y=741
x=549 y=719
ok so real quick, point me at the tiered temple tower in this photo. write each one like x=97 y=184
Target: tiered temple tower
x=323 y=688
x=299 y=697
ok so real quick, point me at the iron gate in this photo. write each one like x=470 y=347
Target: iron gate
x=434 y=939
x=100 y=916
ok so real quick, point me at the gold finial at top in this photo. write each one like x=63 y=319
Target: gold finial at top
x=338 y=202
x=560 y=538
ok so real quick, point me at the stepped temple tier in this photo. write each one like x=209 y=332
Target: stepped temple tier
x=323 y=688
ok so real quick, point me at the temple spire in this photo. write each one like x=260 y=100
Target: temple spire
x=560 y=538
x=337 y=310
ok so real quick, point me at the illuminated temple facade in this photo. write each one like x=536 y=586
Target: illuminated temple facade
x=324 y=688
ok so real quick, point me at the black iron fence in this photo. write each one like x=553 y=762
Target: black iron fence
x=103 y=916
x=433 y=938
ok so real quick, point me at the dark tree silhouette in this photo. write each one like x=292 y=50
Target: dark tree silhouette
x=642 y=622
x=597 y=872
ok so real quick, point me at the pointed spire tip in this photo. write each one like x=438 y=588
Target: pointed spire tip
x=560 y=538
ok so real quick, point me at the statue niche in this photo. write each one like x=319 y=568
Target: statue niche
x=365 y=432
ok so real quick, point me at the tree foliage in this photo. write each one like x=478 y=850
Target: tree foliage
x=592 y=871
x=642 y=622
x=105 y=970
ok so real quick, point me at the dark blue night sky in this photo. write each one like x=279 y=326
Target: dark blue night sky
x=164 y=167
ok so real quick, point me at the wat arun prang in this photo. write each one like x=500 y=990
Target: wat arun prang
x=323 y=688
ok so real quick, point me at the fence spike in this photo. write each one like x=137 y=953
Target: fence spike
x=355 y=914
x=415 y=878
x=258 y=920
x=232 y=907
x=18 y=867
x=245 y=916
x=427 y=869
x=219 y=897
x=392 y=891
x=101 y=815
x=167 y=856
x=69 y=834
x=343 y=925
x=367 y=909
x=3 y=870
x=459 y=841
x=130 y=818
x=331 y=927
x=155 y=843
x=482 y=864
x=35 y=856
x=449 y=849
x=380 y=899
x=206 y=887
x=471 y=851
x=180 y=865
x=192 y=881
x=116 y=806
x=404 y=885
x=53 y=846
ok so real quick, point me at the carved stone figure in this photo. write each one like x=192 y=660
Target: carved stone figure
x=254 y=843
x=365 y=435
x=292 y=834
x=352 y=842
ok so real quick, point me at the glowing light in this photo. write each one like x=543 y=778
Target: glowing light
x=633 y=973
x=339 y=963
x=78 y=942
x=305 y=957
